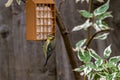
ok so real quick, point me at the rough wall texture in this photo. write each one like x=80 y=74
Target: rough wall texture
x=23 y=60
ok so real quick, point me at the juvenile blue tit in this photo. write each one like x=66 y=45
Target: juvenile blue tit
x=48 y=47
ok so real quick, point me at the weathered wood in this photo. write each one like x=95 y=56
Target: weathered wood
x=23 y=60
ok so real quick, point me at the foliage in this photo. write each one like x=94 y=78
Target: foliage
x=106 y=68
x=88 y=1
x=9 y=2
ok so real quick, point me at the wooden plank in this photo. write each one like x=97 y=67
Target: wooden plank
x=23 y=60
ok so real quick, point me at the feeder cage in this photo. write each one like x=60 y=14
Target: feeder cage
x=40 y=19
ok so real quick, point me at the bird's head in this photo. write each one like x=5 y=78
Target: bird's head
x=50 y=37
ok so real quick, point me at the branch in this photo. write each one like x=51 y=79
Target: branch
x=89 y=28
x=92 y=37
x=67 y=43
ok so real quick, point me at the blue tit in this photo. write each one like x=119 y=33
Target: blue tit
x=48 y=47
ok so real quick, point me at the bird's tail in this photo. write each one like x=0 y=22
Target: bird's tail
x=46 y=61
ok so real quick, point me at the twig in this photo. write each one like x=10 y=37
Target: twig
x=92 y=37
x=89 y=28
x=90 y=5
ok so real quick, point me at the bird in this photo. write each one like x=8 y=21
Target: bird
x=48 y=47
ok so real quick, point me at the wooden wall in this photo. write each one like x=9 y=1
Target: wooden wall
x=23 y=60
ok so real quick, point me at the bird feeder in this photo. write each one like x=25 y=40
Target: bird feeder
x=40 y=19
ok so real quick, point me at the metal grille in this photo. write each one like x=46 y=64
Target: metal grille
x=45 y=20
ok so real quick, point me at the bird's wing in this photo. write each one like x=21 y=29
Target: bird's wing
x=53 y=43
x=51 y=47
x=45 y=46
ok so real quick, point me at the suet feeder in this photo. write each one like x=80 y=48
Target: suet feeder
x=40 y=19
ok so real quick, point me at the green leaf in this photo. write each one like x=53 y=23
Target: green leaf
x=86 y=14
x=84 y=56
x=104 y=26
x=96 y=27
x=87 y=70
x=118 y=74
x=80 y=43
x=107 y=52
x=94 y=54
x=97 y=77
x=102 y=36
x=104 y=16
x=119 y=66
x=98 y=68
x=82 y=1
x=91 y=76
x=80 y=54
x=110 y=65
x=18 y=1
x=103 y=74
x=99 y=62
x=100 y=1
x=9 y=2
x=103 y=78
x=111 y=76
x=81 y=68
x=114 y=69
x=114 y=60
x=102 y=9
x=91 y=65
x=100 y=25
x=83 y=26
x=114 y=75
